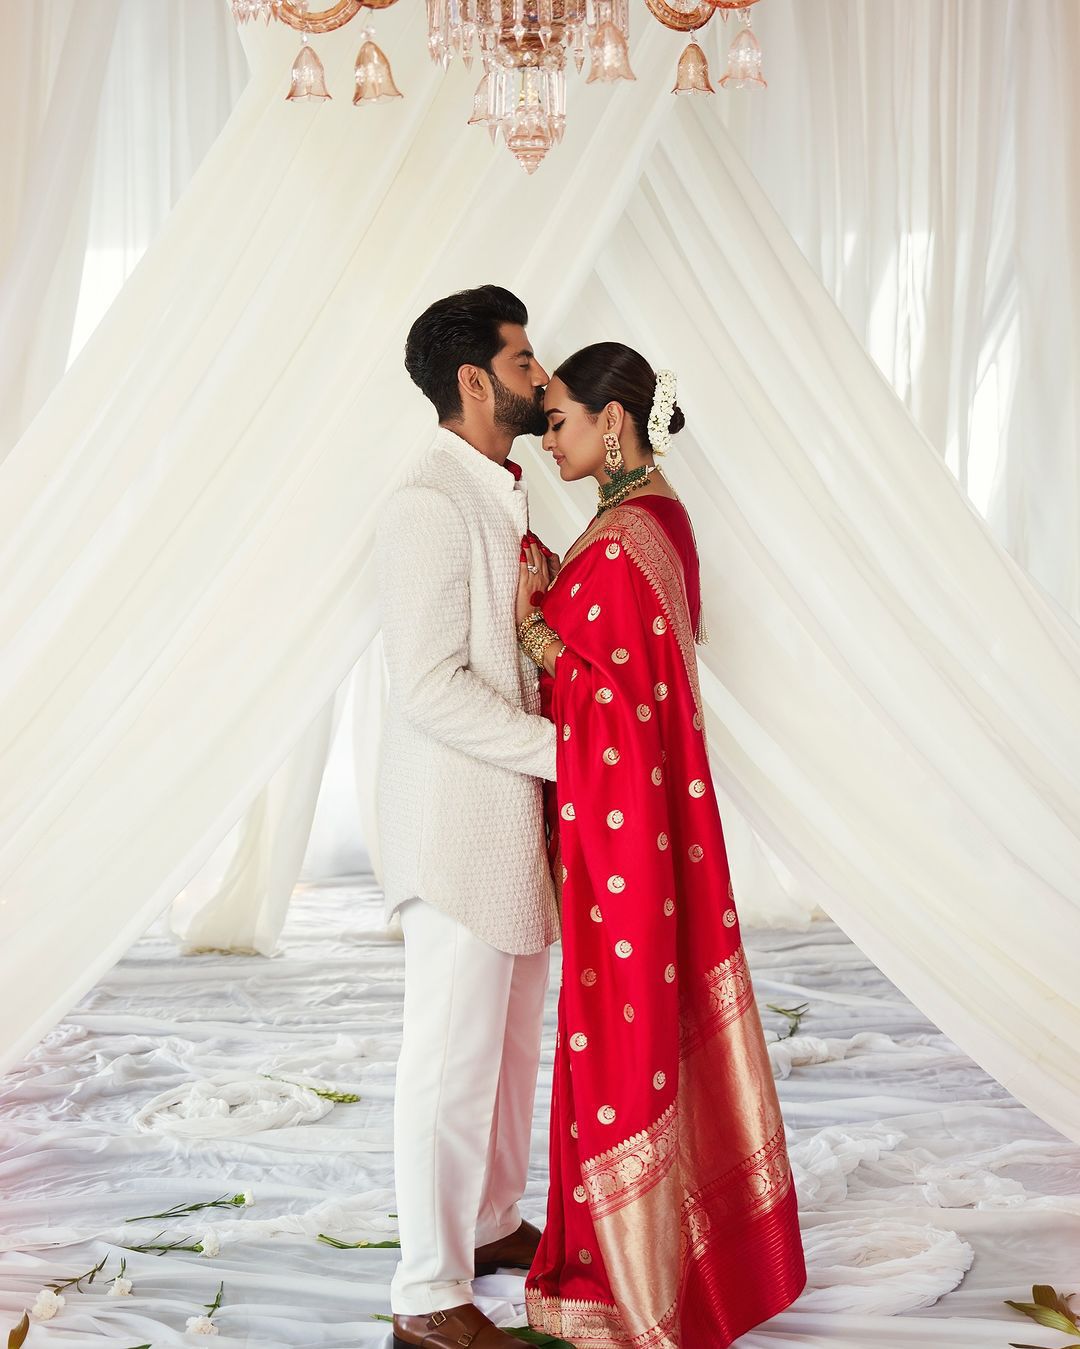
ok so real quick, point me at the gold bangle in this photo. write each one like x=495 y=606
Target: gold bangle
x=529 y=621
x=534 y=635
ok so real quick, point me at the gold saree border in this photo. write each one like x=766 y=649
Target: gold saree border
x=622 y=1174
x=729 y=993
x=596 y=1324
x=760 y=1183
x=618 y=1178
x=751 y=1191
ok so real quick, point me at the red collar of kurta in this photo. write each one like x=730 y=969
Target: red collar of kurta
x=513 y=469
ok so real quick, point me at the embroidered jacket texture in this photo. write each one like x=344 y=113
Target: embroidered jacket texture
x=464 y=748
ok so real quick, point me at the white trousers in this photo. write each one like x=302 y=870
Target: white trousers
x=463 y=1103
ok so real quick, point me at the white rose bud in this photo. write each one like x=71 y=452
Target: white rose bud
x=249 y=1199
x=120 y=1287
x=46 y=1305
x=210 y=1244
x=201 y=1325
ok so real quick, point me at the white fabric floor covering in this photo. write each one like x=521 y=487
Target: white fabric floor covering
x=926 y=1190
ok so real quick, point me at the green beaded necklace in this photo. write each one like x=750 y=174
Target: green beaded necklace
x=622 y=484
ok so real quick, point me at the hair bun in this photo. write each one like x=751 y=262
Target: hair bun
x=678 y=421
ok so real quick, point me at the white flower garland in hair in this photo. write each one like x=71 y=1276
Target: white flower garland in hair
x=662 y=407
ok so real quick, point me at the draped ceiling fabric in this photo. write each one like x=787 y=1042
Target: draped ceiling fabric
x=186 y=534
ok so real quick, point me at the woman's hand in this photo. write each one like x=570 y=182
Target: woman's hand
x=552 y=558
x=534 y=577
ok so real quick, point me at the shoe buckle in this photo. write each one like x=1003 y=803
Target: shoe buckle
x=466 y=1340
x=436 y=1319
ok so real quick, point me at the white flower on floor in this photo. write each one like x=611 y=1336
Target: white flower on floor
x=249 y=1199
x=209 y=1244
x=120 y=1287
x=46 y=1305
x=201 y=1325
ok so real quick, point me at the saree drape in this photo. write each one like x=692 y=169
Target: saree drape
x=672 y=1216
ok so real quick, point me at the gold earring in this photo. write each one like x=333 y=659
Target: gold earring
x=613 y=460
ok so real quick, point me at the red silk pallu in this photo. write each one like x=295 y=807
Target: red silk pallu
x=672 y=1219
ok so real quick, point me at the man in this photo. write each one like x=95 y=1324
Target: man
x=461 y=820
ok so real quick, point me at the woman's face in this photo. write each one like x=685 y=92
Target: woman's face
x=574 y=439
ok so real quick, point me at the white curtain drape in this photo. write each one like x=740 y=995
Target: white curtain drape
x=1035 y=506
x=187 y=528
x=925 y=156
x=55 y=61
x=107 y=109
x=239 y=900
x=110 y=110
x=171 y=78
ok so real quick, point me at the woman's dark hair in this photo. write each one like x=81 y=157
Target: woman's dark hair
x=462 y=329
x=610 y=372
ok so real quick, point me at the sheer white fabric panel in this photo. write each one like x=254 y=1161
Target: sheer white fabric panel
x=892 y=703
x=925 y=157
x=56 y=55
x=107 y=110
x=238 y=901
x=172 y=78
x=1035 y=505
x=110 y=108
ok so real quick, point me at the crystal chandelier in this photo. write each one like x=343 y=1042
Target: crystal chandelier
x=524 y=48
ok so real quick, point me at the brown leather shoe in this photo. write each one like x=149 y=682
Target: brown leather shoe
x=513 y=1252
x=464 y=1327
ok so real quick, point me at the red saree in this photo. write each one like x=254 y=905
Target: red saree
x=672 y=1218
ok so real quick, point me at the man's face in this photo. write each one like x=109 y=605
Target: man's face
x=518 y=380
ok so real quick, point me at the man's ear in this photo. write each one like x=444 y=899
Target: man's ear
x=473 y=382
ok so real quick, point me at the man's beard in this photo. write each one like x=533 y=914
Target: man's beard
x=520 y=416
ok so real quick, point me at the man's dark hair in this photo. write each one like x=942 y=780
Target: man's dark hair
x=462 y=329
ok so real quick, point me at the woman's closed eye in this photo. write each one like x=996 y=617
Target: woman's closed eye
x=554 y=426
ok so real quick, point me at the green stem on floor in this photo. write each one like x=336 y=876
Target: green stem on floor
x=360 y=1245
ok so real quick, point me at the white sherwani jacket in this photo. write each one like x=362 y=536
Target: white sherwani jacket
x=464 y=747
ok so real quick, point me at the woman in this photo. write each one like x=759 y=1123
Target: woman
x=672 y=1219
